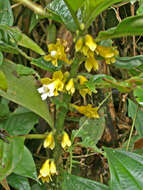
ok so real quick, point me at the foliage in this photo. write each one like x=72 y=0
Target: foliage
x=63 y=91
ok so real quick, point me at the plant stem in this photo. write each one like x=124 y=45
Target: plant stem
x=104 y=100
x=132 y=128
x=33 y=136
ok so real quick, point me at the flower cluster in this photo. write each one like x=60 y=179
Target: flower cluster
x=52 y=87
x=57 y=52
x=49 y=142
x=47 y=170
x=88 y=47
x=88 y=110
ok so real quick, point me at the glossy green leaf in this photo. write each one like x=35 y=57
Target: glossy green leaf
x=1 y=58
x=130 y=26
x=93 y=8
x=10 y=155
x=26 y=166
x=75 y=5
x=23 y=91
x=126 y=169
x=60 y=8
x=73 y=182
x=21 y=39
x=4 y=47
x=18 y=182
x=128 y=62
x=138 y=93
x=19 y=123
x=132 y=109
x=46 y=65
x=6 y=15
x=90 y=130
x=3 y=81
x=140 y=9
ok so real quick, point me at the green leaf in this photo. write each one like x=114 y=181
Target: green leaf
x=39 y=187
x=19 y=123
x=130 y=26
x=75 y=5
x=23 y=91
x=90 y=130
x=8 y=48
x=138 y=93
x=10 y=155
x=60 y=8
x=26 y=166
x=4 y=108
x=72 y=182
x=6 y=15
x=128 y=62
x=18 y=182
x=93 y=8
x=140 y=9
x=126 y=170
x=1 y=58
x=21 y=39
x=132 y=108
x=3 y=81
x=46 y=65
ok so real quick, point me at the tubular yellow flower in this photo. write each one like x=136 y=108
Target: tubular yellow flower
x=48 y=169
x=79 y=44
x=53 y=169
x=52 y=87
x=49 y=141
x=88 y=111
x=45 y=170
x=83 y=91
x=66 y=142
x=56 y=52
x=108 y=53
x=70 y=86
x=89 y=42
x=91 y=63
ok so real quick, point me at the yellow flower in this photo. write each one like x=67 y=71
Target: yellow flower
x=49 y=141
x=66 y=142
x=108 y=53
x=52 y=87
x=45 y=170
x=56 y=52
x=83 y=91
x=48 y=169
x=53 y=169
x=85 y=45
x=88 y=111
x=70 y=86
x=91 y=63
x=89 y=42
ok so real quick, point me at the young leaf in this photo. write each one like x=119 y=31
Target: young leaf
x=73 y=182
x=23 y=91
x=10 y=155
x=6 y=15
x=126 y=170
x=131 y=26
x=26 y=166
x=62 y=10
x=18 y=182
